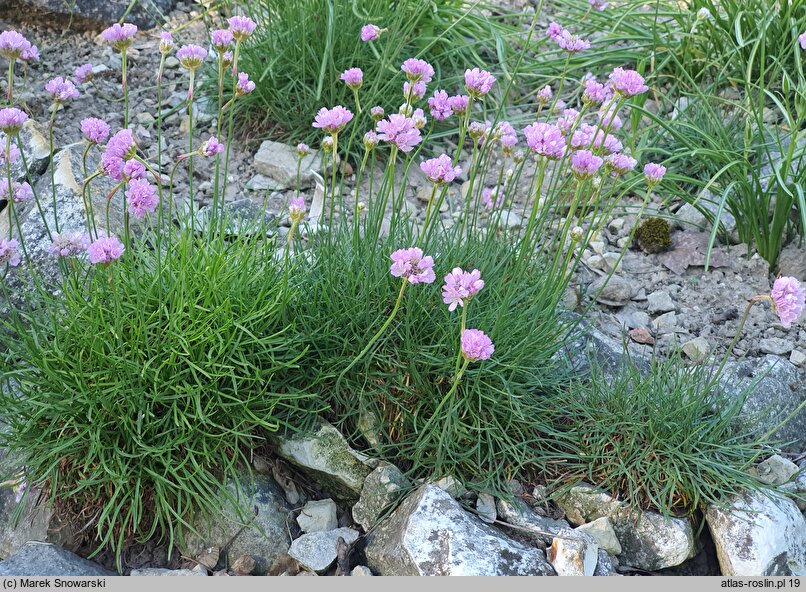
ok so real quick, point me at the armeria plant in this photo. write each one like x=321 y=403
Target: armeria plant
x=137 y=391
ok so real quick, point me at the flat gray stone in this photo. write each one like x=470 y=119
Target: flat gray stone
x=430 y=534
x=382 y=487
x=659 y=302
x=318 y=516
x=317 y=550
x=279 y=162
x=43 y=559
x=518 y=513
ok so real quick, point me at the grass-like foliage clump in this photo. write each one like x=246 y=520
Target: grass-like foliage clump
x=140 y=390
x=666 y=437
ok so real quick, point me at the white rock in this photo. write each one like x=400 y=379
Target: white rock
x=601 y=531
x=451 y=485
x=279 y=161
x=658 y=302
x=573 y=554
x=317 y=550
x=759 y=536
x=775 y=345
x=648 y=540
x=665 y=323
x=776 y=470
x=361 y=570
x=430 y=534
x=797 y=357
x=318 y=516
x=697 y=349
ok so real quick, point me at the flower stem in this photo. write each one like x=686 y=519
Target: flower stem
x=378 y=333
x=52 y=165
x=428 y=212
x=10 y=93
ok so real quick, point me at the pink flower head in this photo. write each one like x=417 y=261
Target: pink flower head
x=13 y=44
x=478 y=82
x=353 y=78
x=83 y=73
x=10 y=156
x=61 y=89
x=492 y=198
x=69 y=244
x=627 y=83
x=802 y=40
x=460 y=286
x=440 y=169
x=370 y=140
x=439 y=105
x=476 y=345
x=10 y=252
x=411 y=264
x=554 y=31
x=568 y=120
x=418 y=70
x=31 y=54
x=599 y=5
x=400 y=131
x=370 y=33
x=585 y=164
x=588 y=136
x=19 y=191
x=303 y=150
x=211 y=147
x=788 y=300
x=414 y=91
x=166 y=43
x=105 y=250
x=296 y=209
x=544 y=95
x=610 y=119
x=133 y=169
x=119 y=149
x=191 y=56
x=244 y=86
x=620 y=164
x=333 y=120
x=11 y=120
x=227 y=59
x=419 y=118
x=120 y=36
x=545 y=140
x=594 y=92
x=570 y=42
x=459 y=104
x=506 y=134
x=377 y=113
x=242 y=27
x=653 y=173
x=142 y=197
x=222 y=39
x=95 y=130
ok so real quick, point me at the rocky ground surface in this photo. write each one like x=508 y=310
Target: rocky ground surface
x=323 y=509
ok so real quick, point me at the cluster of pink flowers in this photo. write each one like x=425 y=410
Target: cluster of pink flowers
x=599 y=5
x=492 y=198
x=653 y=173
x=191 y=57
x=105 y=249
x=211 y=147
x=545 y=140
x=9 y=154
x=95 y=130
x=83 y=73
x=418 y=70
x=15 y=46
x=370 y=32
x=141 y=198
x=399 y=130
x=333 y=120
x=440 y=169
x=478 y=82
x=296 y=209
x=544 y=95
x=69 y=244
x=585 y=164
x=222 y=39
x=119 y=149
x=594 y=93
x=788 y=300
x=242 y=27
x=62 y=89
x=460 y=286
x=439 y=105
x=566 y=40
x=120 y=36
x=12 y=119
x=133 y=169
x=587 y=136
x=627 y=83
x=620 y=164
x=370 y=140
x=166 y=43
x=10 y=252
x=19 y=191
x=476 y=345
x=244 y=85
x=413 y=266
x=459 y=104
x=353 y=78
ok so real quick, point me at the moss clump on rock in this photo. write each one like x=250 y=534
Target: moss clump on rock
x=654 y=235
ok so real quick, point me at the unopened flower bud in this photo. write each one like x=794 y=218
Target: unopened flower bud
x=577 y=234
